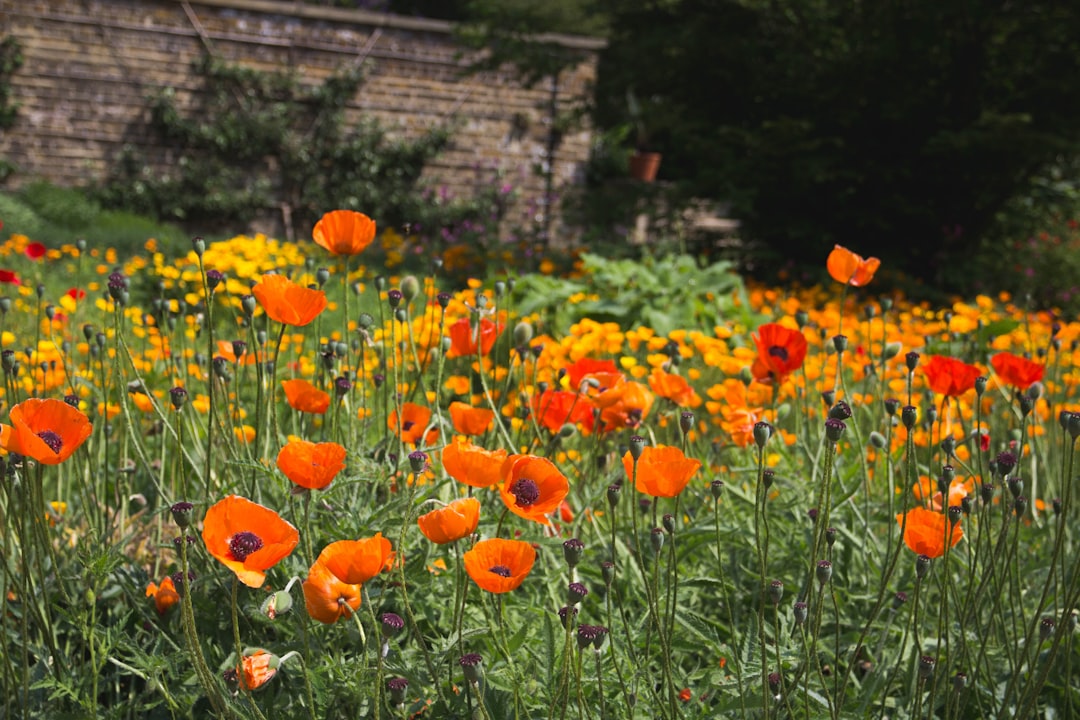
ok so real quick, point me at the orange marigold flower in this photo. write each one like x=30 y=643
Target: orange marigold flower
x=464 y=337
x=46 y=430
x=469 y=420
x=451 y=523
x=287 y=302
x=662 y=471
x=311 y=465
x=354 y=562
x=624 y=406
x=327 y=598
x=925 y=531
x=555 y=408
x=781 y=351
x=247 y=538
x=471 y=464
x=674 y=388
x=305 y=397
x=498 y=565
x=258 y=667
x=165 y=595
x=533 y=487
x=1016 y=370
x=949 y=376
x=414 y=420
x=344 y=232
x=849 y=268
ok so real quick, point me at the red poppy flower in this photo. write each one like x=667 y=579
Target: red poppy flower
x=1016 y=370
x=471 y=464
x=10 y=277
x=287 y=302
x=35 y=251
x=76 y=294
x=414 y=420
x=674 y=388
x=344 y=232
x=532 y=487
x=469 y=420
x=925 y=532
x=247 y=538
x=662 y=471
x=327 y=598
x=949 y=376
x=464 y=337
x=305 y=397
x=451 y=523
x=624 y=406
x=849 y=268
x=577 y=371
x=354 y=562
x=781 y=351
x=498 y=565
x=555 y=408
x=165 y=595
x=311 y=465
x=46 y=430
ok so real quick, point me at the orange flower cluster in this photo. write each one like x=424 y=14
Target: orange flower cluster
x=332 y=590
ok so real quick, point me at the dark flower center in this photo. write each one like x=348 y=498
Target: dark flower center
x=243 y=544
x=779 y=352
x=54 y=441
x=407 y=425
x=501 y=571
x=526 y=492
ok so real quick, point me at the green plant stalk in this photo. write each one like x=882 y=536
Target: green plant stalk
x=760 y=547
x=735 y=656
x=240 y=651
x=187 y=616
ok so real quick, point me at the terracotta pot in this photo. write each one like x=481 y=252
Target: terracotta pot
x=644 y=165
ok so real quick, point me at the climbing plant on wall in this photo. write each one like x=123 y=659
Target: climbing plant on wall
x=11 y=59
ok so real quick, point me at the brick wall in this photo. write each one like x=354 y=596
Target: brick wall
x=90 y=65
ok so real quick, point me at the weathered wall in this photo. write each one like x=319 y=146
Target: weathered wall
x=90 y=65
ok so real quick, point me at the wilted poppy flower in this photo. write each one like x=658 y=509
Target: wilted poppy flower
x=925 y=532
x=949 y=376
x=624 y=406
x=532 y=487
x=9 y=277
x=781 y=351
x=555 y=408
x=662 y=471
x=46 y=430
x=414 y=420
x=165 y=595
x=674 y=388
x=1017 y=371
x=469 y=420
x=849 y=268
x=357 y=561
x=498 y=565
x=287 y=302
x=464 y=337
x=247 y=538
x=471 y=464
x=305 y=397
x=311 y=465
x=344 y=232
x=327 y=597
x=35 y=251
x=451 y=523
x=258 y=668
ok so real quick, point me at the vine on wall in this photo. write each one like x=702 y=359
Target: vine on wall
x=11 y=59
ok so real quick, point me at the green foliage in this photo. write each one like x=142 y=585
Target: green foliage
x=11 y=59
x=63 y=207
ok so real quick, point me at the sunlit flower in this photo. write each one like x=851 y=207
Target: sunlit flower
x=949 y=376
x=305 y=397
x=357 y=561
x=555 y=408
x=624 y=406
x=926 y=530
x=464 y=338
x=781 y=351
x=247 y=538
x=498 y=565
x=532 y=487
x=165 y=595
x=674 y=388
x=662 y=471
x=46 y=430
x=311 y=465
x=452 y=522
x=327 y=598
x=287 y=302
x=471 y=464
x=1017 y=371
x=469 y=420
x=414 y=421
x=344 y=232
x=849 y=268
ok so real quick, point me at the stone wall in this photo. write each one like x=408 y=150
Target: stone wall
x=91 y=64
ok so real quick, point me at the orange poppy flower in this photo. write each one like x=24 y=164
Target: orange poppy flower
x=46 y=430
x=1016 y=370
x=624 y=406
x=258 y=668
x=781 y=351
x=471 y=464
x=849 y=268
x=344 y=232
x=247 y=538
x=926 y=530
x=950 y=377
x=662 y=471
x=464 y=337
x=165 y=595
x=451 y=523
x=226 y=349
x=327 y=598
x=414 y=420
x=469 y=420
x=287 y=302
x=674 y=388
x=305 y=397
x=555 y=408
x=498 y=565
x=354 y=562
x=533 y=487
x=311 y=465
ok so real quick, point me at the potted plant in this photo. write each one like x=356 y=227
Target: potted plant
x=644 y=163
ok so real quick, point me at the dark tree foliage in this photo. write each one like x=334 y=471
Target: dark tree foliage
x=898 y=128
